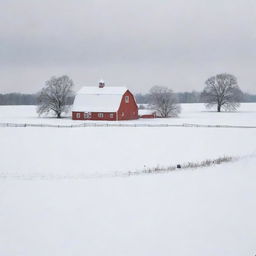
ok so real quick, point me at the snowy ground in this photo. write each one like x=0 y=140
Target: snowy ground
x=209 y=211
x=99 y=150
x=191 y=113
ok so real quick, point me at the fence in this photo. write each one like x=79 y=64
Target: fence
x=121 y=125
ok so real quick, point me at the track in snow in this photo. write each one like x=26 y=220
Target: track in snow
x=155 y=170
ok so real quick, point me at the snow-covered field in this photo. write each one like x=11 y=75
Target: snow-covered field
x=209 y=211
x=191 y=113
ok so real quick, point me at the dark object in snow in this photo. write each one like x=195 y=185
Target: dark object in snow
x=178 y=166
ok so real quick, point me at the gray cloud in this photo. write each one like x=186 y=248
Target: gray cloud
x=134 y=43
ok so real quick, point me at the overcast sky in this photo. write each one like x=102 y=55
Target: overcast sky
x=136 y=43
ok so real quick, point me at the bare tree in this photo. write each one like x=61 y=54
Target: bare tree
x=55 y=96
x=222 y=91
x=164 y=101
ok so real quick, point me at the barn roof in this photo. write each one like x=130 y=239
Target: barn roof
x=95 y=99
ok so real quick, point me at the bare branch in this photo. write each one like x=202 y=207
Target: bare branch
x=222 y=91
x=164 y=102
x=55 y=95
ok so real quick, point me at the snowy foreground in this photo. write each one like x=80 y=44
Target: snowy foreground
x=55 y=198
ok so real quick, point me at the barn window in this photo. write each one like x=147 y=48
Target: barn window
x=77 y=115
x=87 y=115
x=111 y=115
x=126 y=99
x=122 y=113
x=100 y=115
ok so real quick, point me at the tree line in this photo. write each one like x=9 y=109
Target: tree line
x=18 y=99
x=221 y=92
x=182 y=97
x=23 y=99
x=190 y=97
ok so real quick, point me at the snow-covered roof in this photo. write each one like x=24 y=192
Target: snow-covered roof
x=146 y=112
x=95 y=99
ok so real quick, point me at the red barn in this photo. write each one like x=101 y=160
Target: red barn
x=104 y=103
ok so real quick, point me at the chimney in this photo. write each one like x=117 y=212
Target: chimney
x=101 y=84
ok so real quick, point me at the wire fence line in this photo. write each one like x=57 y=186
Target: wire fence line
x=17 y=125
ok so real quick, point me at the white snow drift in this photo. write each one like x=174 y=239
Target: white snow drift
x=209 y=211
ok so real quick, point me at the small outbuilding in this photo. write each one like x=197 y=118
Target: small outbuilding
x=104 y=103
x=147 y=113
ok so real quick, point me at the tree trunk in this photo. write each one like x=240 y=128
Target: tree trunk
x=219 y=108
x=58 y=115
